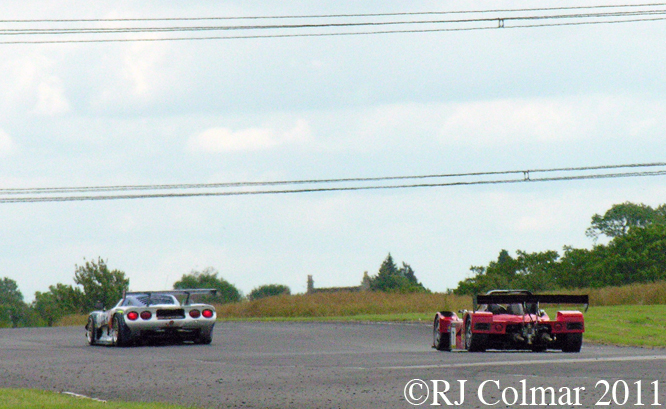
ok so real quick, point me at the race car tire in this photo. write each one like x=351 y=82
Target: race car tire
x=538 y=348
x=572 y=342
x=205 y=338
x=119 y=335
x=474 y=342
x=91 y=331
x=441 y=342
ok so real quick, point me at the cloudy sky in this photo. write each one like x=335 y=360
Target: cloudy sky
x=271 y=109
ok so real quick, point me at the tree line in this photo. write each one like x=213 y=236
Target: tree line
x=95 y=283
x=635 y=253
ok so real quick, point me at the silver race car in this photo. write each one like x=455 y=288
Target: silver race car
x=142 y=316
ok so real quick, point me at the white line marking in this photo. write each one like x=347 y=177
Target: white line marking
x=536 y=362
x=78 y=395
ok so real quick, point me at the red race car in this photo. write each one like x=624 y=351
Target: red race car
x=511 y=319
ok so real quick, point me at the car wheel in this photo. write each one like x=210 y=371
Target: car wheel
x=441 y=342
x=91 y=331
x=118 y=335
x=473 y=342
x=572 y=343
x=205 y=338
x=538 y=348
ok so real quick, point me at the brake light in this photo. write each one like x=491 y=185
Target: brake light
x=132 y=315
x=146 y=315
x=195 y=313
x=207 y=313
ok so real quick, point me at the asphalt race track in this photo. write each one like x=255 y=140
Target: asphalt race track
x=327 y=365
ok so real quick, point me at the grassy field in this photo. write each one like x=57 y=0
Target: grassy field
x=367 y=303
x=629 y=325
x=352 y=304
x=37 y=399
x=342 y=304
x=636 y=325
x=628 y=315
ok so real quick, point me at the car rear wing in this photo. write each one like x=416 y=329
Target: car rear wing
x=187 y=292
x=531 y=299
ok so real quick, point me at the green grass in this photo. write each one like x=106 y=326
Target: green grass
x=631 y=325
x=626 y=315
x=635 y=325
x=36 y=399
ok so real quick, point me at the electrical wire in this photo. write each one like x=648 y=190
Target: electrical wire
x=85 y=189
x=315 y=16
x=639 y=16
x=526 y=178
x=259 y=36
x=49 y=31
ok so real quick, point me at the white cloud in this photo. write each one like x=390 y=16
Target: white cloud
x=138 y=74
x=143 y=68
x=250 y=139
x=496 y=123
x=29 y=84
x=499 y=122
x=51 y=98
x=7 y=145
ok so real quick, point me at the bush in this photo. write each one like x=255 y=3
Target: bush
x=207 y=278
x=268 y=290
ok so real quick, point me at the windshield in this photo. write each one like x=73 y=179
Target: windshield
x=512 y=309
x=145 y=300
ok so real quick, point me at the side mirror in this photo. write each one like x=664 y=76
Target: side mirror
x=99 y=306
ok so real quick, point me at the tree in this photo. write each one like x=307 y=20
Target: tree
x=530 y=271
x=636 y=253
x=620 y=218
x=498 y=274
x=537 y=271
x=12 y=307
x=207 y=278
x=100 y=284
x=575 y=268
x=637 y=257
x=268 y=290
x=390 y=278
x=59 y=301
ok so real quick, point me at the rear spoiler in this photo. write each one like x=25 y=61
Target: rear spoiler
x=531 y=298
x=187 y=292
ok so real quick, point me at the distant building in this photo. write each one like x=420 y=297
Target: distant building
x=365 y=286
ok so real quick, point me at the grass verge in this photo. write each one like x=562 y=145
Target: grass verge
x=627 y=315
x=629 y=325
x=37 y=399
x=635 y=325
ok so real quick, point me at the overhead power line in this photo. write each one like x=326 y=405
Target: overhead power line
x=317 y=16
x=91 y=193
x=60 y=31
x=84 y=189
x=259 y=36
x=625 y=14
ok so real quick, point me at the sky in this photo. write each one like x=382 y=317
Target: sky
x=304 y=108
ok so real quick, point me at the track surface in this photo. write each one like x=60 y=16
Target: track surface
x=312 y=365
